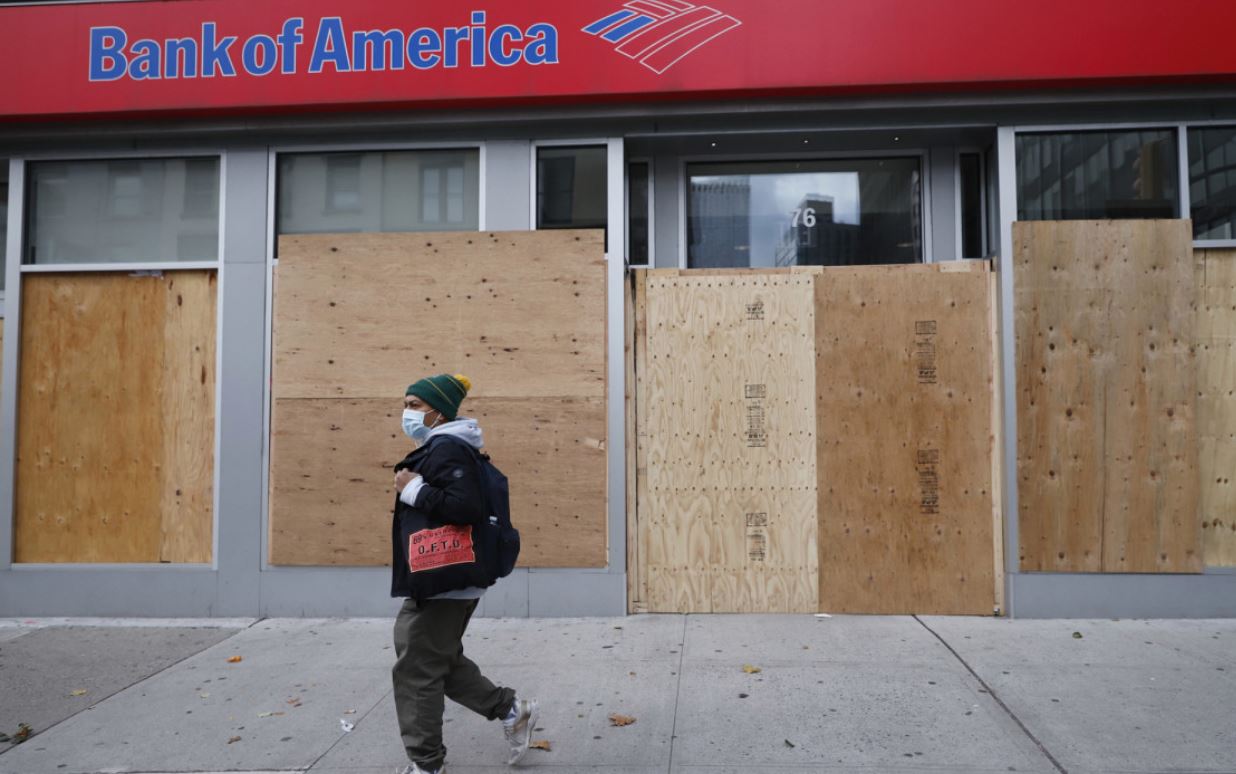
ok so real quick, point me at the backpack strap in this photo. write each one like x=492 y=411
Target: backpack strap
x=478 y=458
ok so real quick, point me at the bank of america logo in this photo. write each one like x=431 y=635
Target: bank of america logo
x=660 y=33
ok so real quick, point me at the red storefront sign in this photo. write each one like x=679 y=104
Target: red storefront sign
x=213 y=56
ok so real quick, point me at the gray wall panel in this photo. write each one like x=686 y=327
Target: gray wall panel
x=508 y=598
x=313 y=592
x=666 y=185
x=111 y=591
x=508 y=185
x=568 y=593
x=242 y=299
x=1049 y=595
x=942 y=166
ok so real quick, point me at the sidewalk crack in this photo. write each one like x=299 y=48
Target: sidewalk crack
x=355 y=727
x=990 y=692
x=682 y=654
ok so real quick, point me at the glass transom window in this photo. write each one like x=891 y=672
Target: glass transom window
x=123 y=211
x=416 y=190
x=1098 y=175
x=806 y=213
x=1212 y=182
x=571 y=187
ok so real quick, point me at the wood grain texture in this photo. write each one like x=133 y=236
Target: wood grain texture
x=639 y=535
x=522 y=314
x=905 y=439
x=997 y=444
x=334 y=486
x=1107 y=396
x=1215 y=274
x=359 y=316
x=634 y=589
x=188 y=413
x=116 y=418
x=726 y=431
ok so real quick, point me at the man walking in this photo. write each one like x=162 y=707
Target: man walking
x=442 y=494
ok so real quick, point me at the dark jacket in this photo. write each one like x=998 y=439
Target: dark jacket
x=452 y=495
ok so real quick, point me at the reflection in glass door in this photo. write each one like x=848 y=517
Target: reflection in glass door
x=809 y=213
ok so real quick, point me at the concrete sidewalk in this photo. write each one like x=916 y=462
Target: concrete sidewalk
x=841 y=694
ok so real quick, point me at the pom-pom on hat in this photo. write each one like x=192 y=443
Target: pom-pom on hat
x=443 y=392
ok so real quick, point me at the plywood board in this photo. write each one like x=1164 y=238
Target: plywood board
x=188 y=415
x=522 y=314
x=1215 y=274
x=116 y=418
x=359 y=316
x=1106 y=396
x=630 y=328
x=726 y=457
x=334 y=486
x=997 y=444
x=905 y=439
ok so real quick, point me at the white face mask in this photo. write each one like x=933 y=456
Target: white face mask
x=414 y=425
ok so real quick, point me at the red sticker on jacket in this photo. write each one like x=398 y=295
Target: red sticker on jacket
x=430 y=549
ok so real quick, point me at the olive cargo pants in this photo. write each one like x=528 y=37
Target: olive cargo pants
x=430 y=665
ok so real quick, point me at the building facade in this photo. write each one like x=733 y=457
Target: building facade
x=192 y=135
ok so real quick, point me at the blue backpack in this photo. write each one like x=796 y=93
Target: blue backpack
x=499 y=547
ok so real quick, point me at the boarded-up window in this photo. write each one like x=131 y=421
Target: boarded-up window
x=116 y=418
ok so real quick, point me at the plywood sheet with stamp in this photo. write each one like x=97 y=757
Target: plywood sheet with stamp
x=905 y=439
x=726 y=516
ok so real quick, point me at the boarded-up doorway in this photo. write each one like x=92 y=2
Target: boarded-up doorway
x=815 y=439
x=909 y=515
x=726 y=444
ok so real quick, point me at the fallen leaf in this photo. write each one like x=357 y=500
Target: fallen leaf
x=294 y=702
x=1077 y=635
x=234 y=660
x=233 y=740
x=541 y=744
x=751 y=670
x=5 y=737
x=632 y=674
x=78 y=692
x=23 y=733
x=620 y=720
x=349 y=712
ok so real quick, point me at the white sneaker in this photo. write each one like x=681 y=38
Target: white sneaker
x=518 y=728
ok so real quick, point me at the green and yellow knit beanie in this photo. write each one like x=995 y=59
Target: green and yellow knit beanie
x=443 y=392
